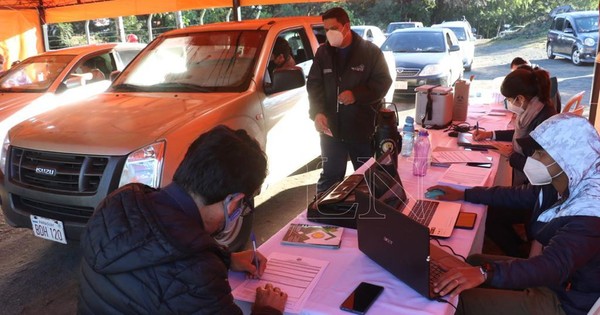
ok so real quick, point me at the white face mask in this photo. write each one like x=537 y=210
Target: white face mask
x=514 y=108
x=335 y=38
x=537 y=172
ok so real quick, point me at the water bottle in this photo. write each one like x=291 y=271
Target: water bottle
x=421 y=160
x=408 y=133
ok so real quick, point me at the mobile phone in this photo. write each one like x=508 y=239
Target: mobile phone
x=361 y=298
x=466 y=220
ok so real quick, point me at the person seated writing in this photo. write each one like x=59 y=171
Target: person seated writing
x=562 y=273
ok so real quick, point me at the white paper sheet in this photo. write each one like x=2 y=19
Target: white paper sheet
x=463 y=176
x=294 y=275
x=459 y=156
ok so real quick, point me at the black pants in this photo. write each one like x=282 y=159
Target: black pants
x=334 y=155
x=499 y=227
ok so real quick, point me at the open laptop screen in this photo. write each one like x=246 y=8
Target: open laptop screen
x=383 y=186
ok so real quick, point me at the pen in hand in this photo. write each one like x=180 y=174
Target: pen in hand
x=256 y=261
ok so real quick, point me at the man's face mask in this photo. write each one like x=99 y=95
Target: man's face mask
x=335 y=38
x=514 y=108
x=244 y=208
x=537 y=172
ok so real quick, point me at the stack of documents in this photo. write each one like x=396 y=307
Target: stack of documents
x=458 y=156
x=463 y=176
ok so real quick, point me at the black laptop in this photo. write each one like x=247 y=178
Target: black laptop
x=401 y=246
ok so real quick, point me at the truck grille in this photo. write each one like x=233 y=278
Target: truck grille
x=57 y=172
x=404 y=72
x=60 y=212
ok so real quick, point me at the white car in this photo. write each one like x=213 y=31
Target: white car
x=466 y=40
x=56 y=78
x=371 y=33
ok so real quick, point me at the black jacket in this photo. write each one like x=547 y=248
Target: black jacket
x=365 y=73
x=145 y=252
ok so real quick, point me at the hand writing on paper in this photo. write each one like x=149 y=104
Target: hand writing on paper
x=479 y=135
x=244 y=261
x=346 y=98
x=450 y=194
x=457 y=280
x=270 y=296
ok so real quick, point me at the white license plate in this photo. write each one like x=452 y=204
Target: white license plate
x=49 y=229
x=401 y=85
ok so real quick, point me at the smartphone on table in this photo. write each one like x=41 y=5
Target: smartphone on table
x=361 y=298
x=466 y=220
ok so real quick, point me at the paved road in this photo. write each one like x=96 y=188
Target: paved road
x=37 y=276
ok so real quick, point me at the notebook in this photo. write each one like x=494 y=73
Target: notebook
x=402 y=247
x=438 y=216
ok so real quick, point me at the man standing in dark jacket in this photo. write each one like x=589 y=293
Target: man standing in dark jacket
x=152 y=251
x=347 y=82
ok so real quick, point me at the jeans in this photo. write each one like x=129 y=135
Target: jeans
x=334 y=155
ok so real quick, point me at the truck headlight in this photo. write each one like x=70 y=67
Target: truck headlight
x=432 y=70
x=144 y=165
x=4 y=152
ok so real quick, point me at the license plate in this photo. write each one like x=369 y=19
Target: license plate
x=401 y=85
x=49 y=229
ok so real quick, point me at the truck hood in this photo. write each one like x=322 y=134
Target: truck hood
x=113 y=123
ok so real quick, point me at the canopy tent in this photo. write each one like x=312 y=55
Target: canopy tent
x=21 y=21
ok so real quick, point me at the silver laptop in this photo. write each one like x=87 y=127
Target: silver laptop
x=402 y=246
x=439 y=216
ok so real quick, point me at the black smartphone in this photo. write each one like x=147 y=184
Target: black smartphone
x=466 y=220
x=361 y=298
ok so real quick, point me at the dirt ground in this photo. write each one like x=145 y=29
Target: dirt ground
x=38 y=276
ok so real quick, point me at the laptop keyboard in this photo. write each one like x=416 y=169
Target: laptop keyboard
x=423 y=211
x=435 y=271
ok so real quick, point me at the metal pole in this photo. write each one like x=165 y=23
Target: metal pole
x=179 y=19
x=202 y=16
x=149 y=24
x=42 y=19
x=237 y=12
x=121 y=29
x=87 y=32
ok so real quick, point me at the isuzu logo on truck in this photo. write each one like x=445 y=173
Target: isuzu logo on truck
x=45 y=171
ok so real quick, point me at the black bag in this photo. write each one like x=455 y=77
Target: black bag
x=337 y=205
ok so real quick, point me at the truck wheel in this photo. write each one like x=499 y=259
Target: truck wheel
x=576 y=57
x=550 y=51
x=238 y=237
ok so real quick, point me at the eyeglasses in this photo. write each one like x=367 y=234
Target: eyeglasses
x=247 y=206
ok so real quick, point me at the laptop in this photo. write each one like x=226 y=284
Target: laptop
x=439 y=216
x=402 y=246
x=465 y=139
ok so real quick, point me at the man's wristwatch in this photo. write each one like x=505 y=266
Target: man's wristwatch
x=487 y=271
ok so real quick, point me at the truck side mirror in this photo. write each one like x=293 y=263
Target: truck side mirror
x=286 y=79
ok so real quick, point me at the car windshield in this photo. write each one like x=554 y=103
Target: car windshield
x=415 y=42
x=460 y=33
x=587 y=24
x=34 y=74
x=220 y=61
x=394 y=27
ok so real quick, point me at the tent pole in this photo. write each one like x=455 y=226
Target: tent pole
x=149 y=24
x=179 y=19
x=120 y=30
x=237 y=12
x=42 y=18
x=87 y=32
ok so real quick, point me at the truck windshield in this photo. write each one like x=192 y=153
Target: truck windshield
x=219 y=61
x=34 y=74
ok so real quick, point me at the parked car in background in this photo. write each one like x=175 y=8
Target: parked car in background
x=424 y=56
x=62 y=164
x=371 y=33
x=511 y=30
x=59 y=77
x=574 y=35
x=464 y=33
x=401 y=25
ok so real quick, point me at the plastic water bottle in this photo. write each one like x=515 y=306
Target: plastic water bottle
x=421 y=160
x=408 y=136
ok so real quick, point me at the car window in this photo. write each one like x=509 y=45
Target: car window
x=369 y=33
x=319 y=31
x=127 y=55
x=568 y=25
x=35 y=74
x=219 y=61
x=415 y=42
x=459 y=32
x=587 y=24
x=560 y=22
